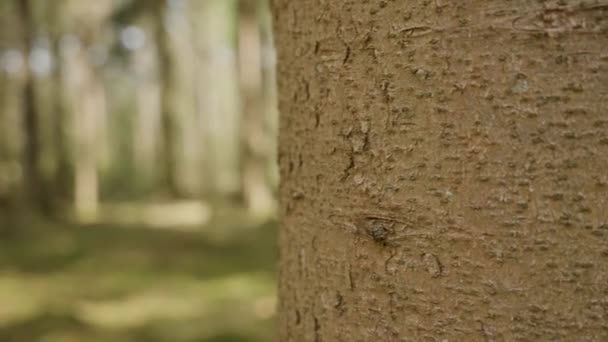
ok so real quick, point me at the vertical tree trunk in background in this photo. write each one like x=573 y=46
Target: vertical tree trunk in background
x=90 y=107
x=203 y=104
x=60 y=117
x=256 y=140
x=190 y=173
x=218 y=90
x=269 y=95
x=11 y=135
x=443 y=169
x=32 y=177
x=146 y=128
x=64 y=168
x=5 y=192
x=167 y=102
x=11 y=117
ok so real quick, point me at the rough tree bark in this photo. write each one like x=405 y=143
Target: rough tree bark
x=443 y=170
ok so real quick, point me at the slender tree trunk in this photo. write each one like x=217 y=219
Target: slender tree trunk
x=63 y=173
x=190 y=174
x=33 y=179
x=90 y=106
x=5 y=192
x=203 y=106
x=145 y=142
x=443 y=169
x=10 y=157
x=269 y=96
x=218 y=97
x=60 y=174
x=167 y=101
x=255 y=137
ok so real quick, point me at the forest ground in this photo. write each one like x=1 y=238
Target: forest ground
x=130 y=282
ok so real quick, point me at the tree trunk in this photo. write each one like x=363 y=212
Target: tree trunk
x=218 y=95
x=5 y=193
x=269 y=97
x=32 y=176
x=255 y=137
x=90 y=108
x=146 y=121
x=63 y=173
x=443 y=169
x=167 y=101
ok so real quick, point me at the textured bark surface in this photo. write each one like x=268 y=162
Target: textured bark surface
x=443 y=170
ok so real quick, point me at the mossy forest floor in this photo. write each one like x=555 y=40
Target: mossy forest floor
x=100 y=282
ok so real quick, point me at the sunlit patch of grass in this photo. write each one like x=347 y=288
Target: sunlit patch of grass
x=183 y=215
x=19 y=300
x=180 y=301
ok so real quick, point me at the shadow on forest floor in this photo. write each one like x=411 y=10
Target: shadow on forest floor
x=61 y=282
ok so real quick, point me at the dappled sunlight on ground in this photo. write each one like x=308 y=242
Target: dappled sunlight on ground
x=106 y=282
x=182 y=215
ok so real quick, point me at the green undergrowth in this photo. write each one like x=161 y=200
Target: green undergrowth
x=65 y=282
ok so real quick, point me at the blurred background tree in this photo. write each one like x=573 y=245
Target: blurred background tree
x=137 y=100
x=136 y=114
